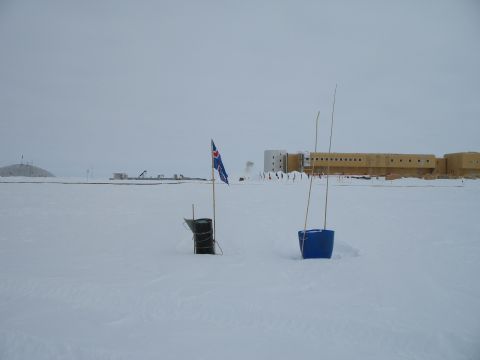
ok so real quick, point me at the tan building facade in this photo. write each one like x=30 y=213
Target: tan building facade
x=407 y=165
x=391 y=165
x=466 y=164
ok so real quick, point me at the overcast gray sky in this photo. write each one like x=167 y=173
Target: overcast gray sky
x=133 y=85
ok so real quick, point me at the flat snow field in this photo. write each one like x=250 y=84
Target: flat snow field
x=102 y=271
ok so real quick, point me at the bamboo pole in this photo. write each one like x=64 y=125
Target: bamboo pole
x=328 y=162
x=193 y=219
x=311 y=180
x=213 y=192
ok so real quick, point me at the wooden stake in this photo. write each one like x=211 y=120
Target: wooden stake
x=328 y=162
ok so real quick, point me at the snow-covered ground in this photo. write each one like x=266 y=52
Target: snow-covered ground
x=108 y=272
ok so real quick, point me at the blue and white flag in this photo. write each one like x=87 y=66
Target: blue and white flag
x=218 y=165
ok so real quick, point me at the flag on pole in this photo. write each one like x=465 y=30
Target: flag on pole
x=218 y=165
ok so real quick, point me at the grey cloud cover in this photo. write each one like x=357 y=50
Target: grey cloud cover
x=134 y=85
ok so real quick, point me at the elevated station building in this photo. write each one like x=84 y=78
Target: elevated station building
x=465 y=164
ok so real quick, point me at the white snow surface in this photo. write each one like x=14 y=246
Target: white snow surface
x=101 y=271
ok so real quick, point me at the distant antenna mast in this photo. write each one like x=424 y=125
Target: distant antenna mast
x=328 y=162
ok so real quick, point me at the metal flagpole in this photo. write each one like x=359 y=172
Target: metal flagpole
x=213 y=192
x=328 y=162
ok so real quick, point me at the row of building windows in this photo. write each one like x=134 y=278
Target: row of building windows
x=410 y=160
x=356 y=159
x=334 y=159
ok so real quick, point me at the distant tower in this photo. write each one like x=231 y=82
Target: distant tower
x=275 y=160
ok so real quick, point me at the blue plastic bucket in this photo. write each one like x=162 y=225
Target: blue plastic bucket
x=318 y=243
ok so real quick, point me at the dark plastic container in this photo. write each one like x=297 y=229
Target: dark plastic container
x=318 y=243
x=202 y=235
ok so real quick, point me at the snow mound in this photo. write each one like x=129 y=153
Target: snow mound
x=344 y=250
x=24 y=170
